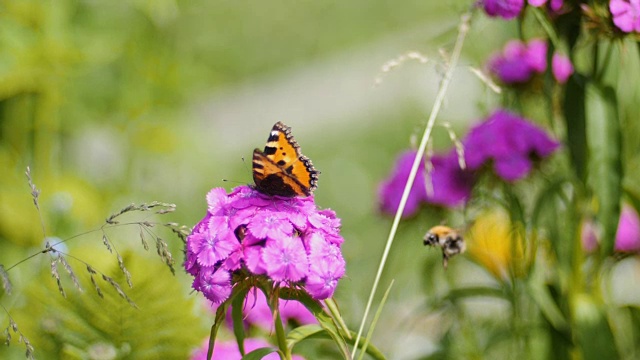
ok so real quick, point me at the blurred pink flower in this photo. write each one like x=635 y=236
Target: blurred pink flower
x=589 y=236
x=561 y=67
x=519 y=61
x=451 y=185
x=626 y=14
x=628 y=234
x=507 y=142
x=537 y=55
x=229 y=350
x=554 y=5
x=506 y=9
x=390 y=190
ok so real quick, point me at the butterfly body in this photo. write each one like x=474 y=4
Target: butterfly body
x=281 y=169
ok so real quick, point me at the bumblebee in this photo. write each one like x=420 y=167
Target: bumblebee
x=447 y=239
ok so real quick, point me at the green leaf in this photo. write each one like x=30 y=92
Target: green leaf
x=550 y=212
x=371 y=350
x=236 y=314
x=220 y=315
x=314 y=331
x=575 y=122
x=467 y=292
x=605 y=147
x=594 y=335
x=258 y=354
x=542 y=297
x=365 y=343
x=324 y=320
x=337 y=316
x=305 y=332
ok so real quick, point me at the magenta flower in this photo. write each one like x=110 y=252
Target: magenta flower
x=256 y=234
x=509 y=142
x=628 y=234
x=518 y=62
x=215 y=284
x=323 y=277
x=561 y=68
x=626 y=14
x=536 y=55
x=504 y=140
x=554 y=5
x=229 y=350
x=285 y=259
x=390 y=190
x=451 y=186
x=506 y=9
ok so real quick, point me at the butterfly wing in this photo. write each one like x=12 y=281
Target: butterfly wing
x=281 y=169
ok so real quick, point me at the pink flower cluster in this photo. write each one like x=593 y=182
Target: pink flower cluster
x=626 y=14
x=508 y=143
x=519 y=61
x=504 y=141
x=510 y=9
x=451 y=185
x=286 y=239
x=228 y=350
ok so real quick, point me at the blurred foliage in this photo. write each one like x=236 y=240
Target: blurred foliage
x=86 y=326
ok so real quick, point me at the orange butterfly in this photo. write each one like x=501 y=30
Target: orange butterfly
x=281 y=169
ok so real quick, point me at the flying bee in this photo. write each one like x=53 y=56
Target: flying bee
x=446 y=238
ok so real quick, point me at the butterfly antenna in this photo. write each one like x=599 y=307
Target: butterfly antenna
x=246 y=167
x=233 y=181
x=248 y=171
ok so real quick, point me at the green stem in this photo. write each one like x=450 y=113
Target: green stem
x=546 y=25
x=280 y=334
x=596 y=53
x=463 y=29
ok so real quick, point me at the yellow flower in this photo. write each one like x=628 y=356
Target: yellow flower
x=494 y=244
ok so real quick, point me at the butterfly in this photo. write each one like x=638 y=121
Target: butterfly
x=281 y=169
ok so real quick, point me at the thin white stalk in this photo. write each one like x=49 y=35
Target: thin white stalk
x=462 y=32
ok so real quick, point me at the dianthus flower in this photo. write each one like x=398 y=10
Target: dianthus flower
x=554 y=5
x=628 y=233
x=506 y=9
x=518 y=61
x=561 y=67
x=390 y=190
x=506 y=141
x=626 y=14
x=510 y=142
x=255 y=234
x=229 y=350
x=450 y=185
